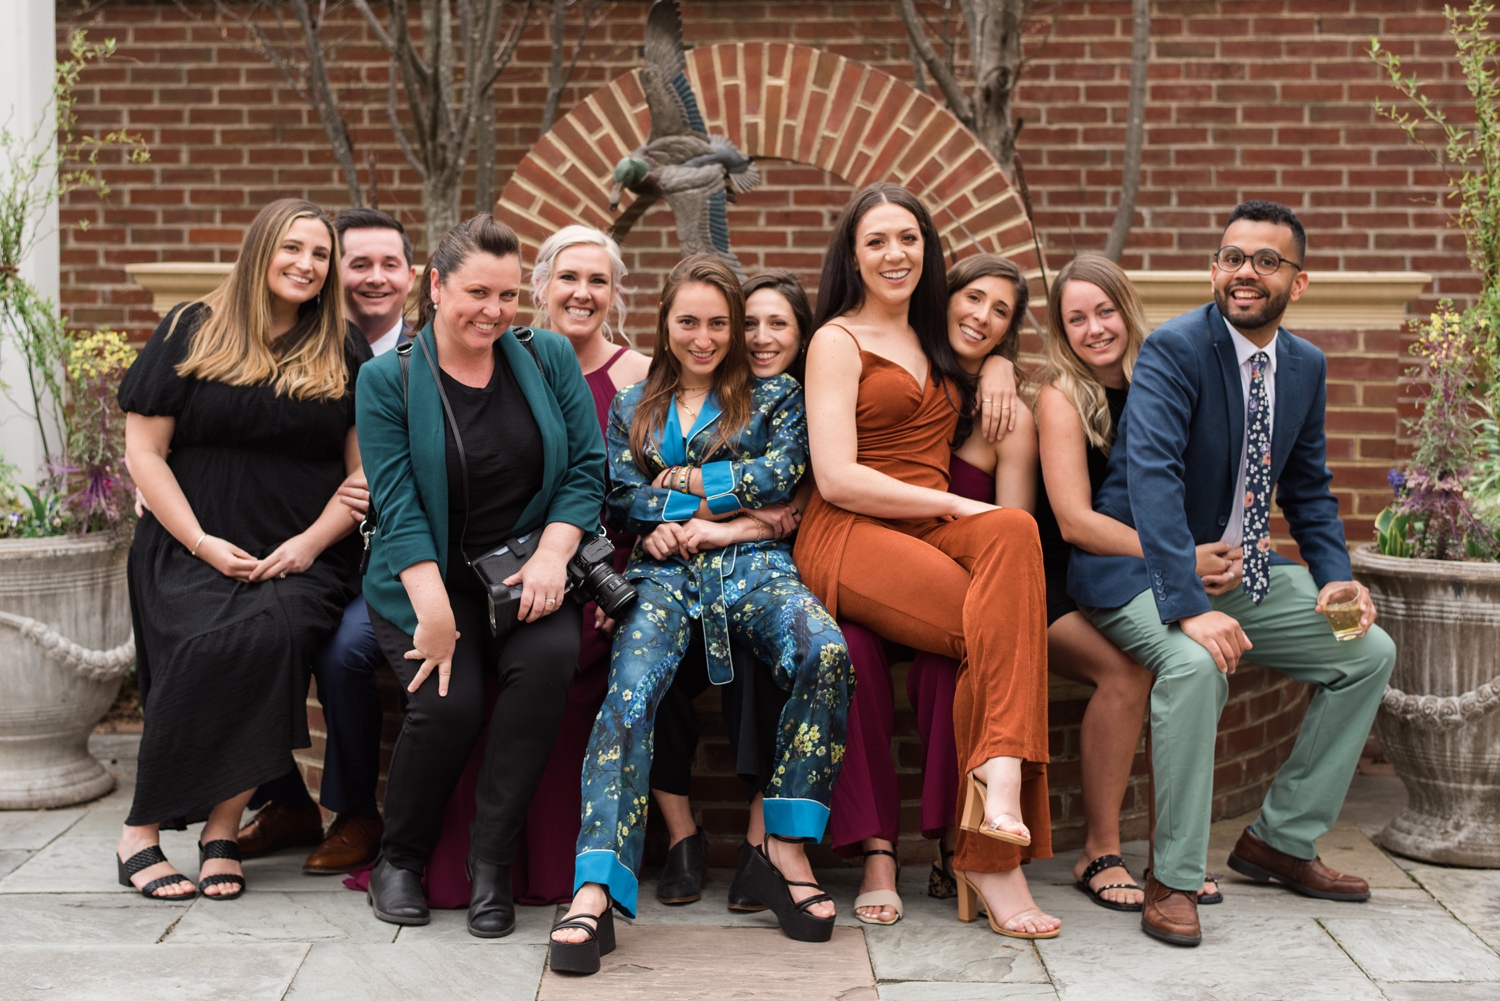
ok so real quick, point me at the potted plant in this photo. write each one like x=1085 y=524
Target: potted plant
x=1435 y=568
x=65 y=635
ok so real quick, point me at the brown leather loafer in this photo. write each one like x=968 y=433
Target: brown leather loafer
x=275 y=827
x=351 y=842
x=1171 y=915
x=1310 y=877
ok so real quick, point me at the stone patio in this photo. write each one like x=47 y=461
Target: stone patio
x=70 y=932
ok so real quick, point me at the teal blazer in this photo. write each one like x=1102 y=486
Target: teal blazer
x=402 y=446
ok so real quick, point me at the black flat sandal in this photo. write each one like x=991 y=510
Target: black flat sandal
x=226 y=849
x=145 y=859
x=1095 y=868
x=583 y=957
x=1217 y=897
x=940 y=882
x=766 y=883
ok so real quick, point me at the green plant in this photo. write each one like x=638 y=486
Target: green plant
x=91 y=481
x=1470 y=155
x=38 y=167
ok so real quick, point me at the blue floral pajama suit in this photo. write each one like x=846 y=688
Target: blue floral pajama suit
x=749 y=593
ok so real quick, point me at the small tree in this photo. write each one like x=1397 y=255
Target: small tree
x=39 y=167
x=560 y=73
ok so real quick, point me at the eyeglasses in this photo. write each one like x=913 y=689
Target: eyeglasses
x=1265 y=262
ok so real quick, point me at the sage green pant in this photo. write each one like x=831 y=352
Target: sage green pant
x=1304 y=799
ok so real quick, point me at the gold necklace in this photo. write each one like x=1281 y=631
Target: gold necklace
x=684 y=404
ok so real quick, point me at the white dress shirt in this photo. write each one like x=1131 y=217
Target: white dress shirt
x=387 y=341
x=1245 y=350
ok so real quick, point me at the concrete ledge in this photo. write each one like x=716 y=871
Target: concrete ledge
x=176 y=282
x=1334 y=300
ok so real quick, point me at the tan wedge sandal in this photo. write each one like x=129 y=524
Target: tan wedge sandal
x=972 y=818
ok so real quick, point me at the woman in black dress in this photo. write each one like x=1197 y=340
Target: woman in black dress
x=239 y=430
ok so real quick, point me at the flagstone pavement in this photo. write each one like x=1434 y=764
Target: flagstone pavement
x=68 y=931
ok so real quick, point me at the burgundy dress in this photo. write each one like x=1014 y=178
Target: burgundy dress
x=543 y=870
x=867 y=797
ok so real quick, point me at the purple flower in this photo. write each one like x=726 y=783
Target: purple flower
x=1397 y=479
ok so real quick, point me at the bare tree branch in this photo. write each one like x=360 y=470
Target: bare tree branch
x=1135 y=129
x=560 y=75
x=958 y=101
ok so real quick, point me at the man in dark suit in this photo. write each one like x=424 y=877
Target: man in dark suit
x=375 y=265
x=1225 y=405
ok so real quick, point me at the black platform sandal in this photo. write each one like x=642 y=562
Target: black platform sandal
x=940 y=882
x=1097 y=896
x=583 y=957
x=226 y=849
x=145 y=859
x=1217 y=897
x=766 y=883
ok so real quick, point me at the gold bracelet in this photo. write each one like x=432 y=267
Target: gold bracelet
x=194 y=551
x=760 y=529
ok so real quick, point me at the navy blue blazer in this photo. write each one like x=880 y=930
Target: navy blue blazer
x=1175 y=462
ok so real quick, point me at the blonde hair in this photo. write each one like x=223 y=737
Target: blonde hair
x=234 y=346
x=546 y=261
x=1068 y=373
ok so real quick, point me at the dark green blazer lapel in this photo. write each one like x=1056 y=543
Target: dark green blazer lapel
x=429 y=447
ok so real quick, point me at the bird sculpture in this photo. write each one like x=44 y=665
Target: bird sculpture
x=695 y=172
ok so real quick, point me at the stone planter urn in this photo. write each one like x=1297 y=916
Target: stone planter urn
x=1438 y=722
x=65 y=643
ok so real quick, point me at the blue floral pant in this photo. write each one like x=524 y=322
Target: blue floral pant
x=784 y=626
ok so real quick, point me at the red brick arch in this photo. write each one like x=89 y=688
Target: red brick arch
x=786 y=102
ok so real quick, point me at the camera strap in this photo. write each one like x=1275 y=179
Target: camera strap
x=458 y=445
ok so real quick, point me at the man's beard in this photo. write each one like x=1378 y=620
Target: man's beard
x=1270 y=310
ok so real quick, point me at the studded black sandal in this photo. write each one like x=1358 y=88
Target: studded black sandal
x=1097 y=896
x=766 y=883
x=145 y=859
x=225 y=849
x=1216 y=897
x=583 y=957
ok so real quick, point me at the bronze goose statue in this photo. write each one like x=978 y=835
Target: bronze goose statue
x=695 y=172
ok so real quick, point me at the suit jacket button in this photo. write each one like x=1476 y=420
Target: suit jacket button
x=1223 y=521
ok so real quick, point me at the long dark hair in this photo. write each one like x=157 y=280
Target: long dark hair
x=785 y=284
x=483 y=234
x=841 y=289
x=961 y=276
x=732 y=379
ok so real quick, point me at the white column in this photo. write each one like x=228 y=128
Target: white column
x=28 y=45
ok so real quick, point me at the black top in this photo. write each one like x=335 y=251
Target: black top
x=1055 y=549
x=503 y=449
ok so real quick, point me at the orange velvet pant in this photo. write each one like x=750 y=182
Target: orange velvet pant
x=971 y=589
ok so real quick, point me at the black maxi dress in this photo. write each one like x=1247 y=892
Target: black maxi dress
x=224 y=664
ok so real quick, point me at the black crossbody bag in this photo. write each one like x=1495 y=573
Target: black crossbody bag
x=590 y=568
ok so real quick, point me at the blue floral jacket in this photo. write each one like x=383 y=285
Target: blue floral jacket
x=759 y=467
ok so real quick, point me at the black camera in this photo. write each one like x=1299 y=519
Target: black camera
x=590 y=569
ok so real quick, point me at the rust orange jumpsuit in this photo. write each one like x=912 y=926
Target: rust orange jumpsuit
x=971 y=589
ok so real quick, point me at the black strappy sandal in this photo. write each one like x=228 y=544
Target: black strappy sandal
x=145 y=859
x=940 y=882
x=766 y=883
x=225 y=849
x=1095 y=868
x=583 y=957
x=1217 y=897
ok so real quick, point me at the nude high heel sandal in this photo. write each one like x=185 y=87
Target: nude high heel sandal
x=972 y=818
x=970 y=901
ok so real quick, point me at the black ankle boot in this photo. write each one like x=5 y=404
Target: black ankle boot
x=492 y=911
x=396 y=894
x=740 y=898
x=682 y=877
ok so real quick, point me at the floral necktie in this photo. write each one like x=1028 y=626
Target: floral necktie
x=1257 y=535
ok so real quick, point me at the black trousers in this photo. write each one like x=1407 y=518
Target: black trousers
x=752 y=705
x=536 y=663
